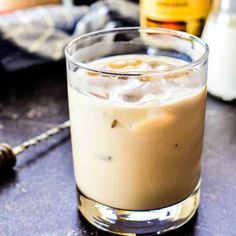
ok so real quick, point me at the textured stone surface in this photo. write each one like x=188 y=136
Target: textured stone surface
x=39 y=197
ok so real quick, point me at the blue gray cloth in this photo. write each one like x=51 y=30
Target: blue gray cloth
x=39 y=35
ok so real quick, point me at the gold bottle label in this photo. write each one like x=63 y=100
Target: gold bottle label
x=185 y=15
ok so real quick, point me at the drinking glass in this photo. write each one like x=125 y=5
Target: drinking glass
x=137 y=135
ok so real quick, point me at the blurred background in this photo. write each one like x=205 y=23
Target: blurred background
x=36 y=32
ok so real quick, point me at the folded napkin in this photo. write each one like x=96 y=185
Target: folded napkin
x=39 y=35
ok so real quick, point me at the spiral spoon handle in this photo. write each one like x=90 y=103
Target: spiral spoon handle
x=8 y=154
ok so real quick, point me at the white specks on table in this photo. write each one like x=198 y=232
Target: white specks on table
x=33 y=113
x=14 y=116
x=21 y=188
x=73 y=232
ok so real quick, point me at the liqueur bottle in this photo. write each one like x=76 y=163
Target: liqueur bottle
x=184 y=15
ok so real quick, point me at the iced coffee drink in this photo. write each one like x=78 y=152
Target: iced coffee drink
x=137 y=124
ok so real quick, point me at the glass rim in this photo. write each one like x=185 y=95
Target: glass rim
x=177 y=69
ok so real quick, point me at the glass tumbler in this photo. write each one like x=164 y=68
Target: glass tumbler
x=137 y=110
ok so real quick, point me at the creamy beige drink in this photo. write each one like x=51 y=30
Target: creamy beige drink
x=136 y=142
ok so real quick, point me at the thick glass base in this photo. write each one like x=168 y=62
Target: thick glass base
x=125 y=222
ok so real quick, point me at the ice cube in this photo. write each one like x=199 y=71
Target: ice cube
x=121 y=64
x=156 y=91
x=130 y=93
x=98 y=85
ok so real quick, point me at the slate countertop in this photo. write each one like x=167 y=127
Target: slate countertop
x=39 y=197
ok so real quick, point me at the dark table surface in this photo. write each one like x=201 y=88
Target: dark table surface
x=39 y=197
